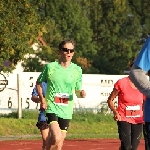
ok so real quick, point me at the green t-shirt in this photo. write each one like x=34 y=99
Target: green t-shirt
x=61 y=84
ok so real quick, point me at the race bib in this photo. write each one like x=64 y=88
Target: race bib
x=133 y=111
x=61 y=99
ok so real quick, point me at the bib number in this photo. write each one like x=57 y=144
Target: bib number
x=61 y=99
x=133 y=111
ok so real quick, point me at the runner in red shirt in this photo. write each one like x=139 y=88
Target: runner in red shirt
x=129 y=113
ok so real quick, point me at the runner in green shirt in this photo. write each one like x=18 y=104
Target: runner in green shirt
x=63 y=79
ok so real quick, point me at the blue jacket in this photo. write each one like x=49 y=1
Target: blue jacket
x=41 y=116
x=44 y=87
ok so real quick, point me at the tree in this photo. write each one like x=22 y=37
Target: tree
x=107 y=33
x=116 y=33
x=19 y=26
x=141 y=9
x=68 y=20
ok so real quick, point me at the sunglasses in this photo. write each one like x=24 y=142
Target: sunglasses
x=67 y=50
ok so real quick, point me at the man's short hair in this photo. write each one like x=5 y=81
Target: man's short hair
x=61 y=45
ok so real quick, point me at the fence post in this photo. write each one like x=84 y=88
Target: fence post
x=19 y=98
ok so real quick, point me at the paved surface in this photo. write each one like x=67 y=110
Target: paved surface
x=95 y=144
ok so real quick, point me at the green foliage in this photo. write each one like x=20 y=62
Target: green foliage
x=116 y=34
x=36 y=62
x=107 y=33
x=141 y=10
x=71 y=23
x=11 y=115
x=19 y=24
x=32 y=65
x=88 y=116
x=85 y=124
x=26 y=114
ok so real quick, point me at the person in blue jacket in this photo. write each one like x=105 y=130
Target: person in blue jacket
x=42 y=122
x=139 y=76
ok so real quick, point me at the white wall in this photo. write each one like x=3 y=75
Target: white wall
x=97 y=87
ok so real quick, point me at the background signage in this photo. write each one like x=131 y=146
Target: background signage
x=97 y=87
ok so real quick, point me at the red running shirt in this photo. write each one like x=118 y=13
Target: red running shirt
x=130 y=102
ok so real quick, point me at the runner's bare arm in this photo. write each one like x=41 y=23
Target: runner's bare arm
x=39 y=90
x=110 y=102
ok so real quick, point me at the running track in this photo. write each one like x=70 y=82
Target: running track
x=95 y=144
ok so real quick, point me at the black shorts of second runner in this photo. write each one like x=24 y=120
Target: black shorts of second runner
x=63 y=123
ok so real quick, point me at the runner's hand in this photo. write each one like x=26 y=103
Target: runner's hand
x=82 y=93
x=117 y=117
x=43 y=105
